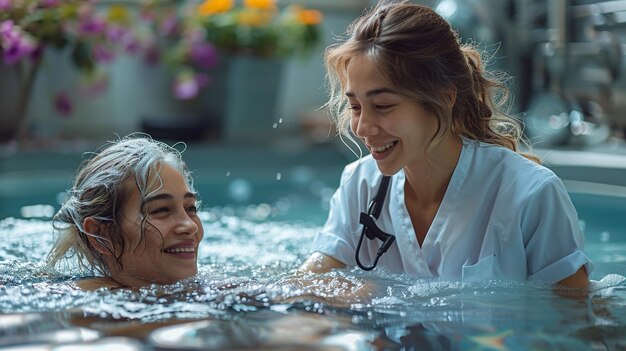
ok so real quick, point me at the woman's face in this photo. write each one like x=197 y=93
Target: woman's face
x=168 y=251
x=394 y=128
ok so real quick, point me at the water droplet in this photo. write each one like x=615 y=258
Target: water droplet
x=278 y=176
x=280 y=120
x=228 y=174
x=275 y=126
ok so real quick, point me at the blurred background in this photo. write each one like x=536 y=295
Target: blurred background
x=251 y=71
x=241 y=81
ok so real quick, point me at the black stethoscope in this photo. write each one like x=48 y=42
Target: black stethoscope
x=370 y=229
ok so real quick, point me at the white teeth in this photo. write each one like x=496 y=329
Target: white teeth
x=181 y=249
x=384 y=147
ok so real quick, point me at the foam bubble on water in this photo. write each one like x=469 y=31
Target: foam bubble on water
x=232 y=246
x=210 y=294
x=335 y=287
x=239 y=240
x=387 y=300
x=426 y=288
x=43 y=297
x=25 y=238
x=606 y=285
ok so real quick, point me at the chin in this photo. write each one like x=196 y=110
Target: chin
x=189 y=274
x=388 y=171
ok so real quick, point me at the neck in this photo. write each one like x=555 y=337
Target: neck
x=427 y=178
x=97 y=283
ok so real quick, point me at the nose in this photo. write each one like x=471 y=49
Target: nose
x=365 y=125
x=185 y=224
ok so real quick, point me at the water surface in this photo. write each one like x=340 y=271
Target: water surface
x=245 y=296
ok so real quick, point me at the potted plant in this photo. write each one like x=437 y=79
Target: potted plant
x=29 y=28
x=253 y=37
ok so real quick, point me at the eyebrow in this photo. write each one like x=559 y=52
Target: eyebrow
x=166 y=196
x=374 y=92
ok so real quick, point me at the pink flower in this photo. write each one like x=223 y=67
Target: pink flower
x=115 y=32
x=203 y=54
x=90 y=24
x=130 y=43
x=63 y=104
x=6 y=29
x=169 y=25
x=118 y=34
x=187 y=85
x=103 y=53
x=38 y=51
x=5 y=5
x=15 y=43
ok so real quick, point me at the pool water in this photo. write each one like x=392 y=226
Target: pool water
x=245 y=296
x=260 y=218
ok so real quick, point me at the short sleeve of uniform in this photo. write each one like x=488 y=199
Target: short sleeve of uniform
x=553 y=240
x=334 y=239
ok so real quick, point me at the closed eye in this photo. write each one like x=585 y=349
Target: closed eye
x=383 y=107
x=159 y=210
x=355 y=109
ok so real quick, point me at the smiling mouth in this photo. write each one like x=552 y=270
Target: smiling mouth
x=384 y=148
x=180 y=250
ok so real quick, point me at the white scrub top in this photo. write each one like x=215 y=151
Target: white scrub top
x=502 y=217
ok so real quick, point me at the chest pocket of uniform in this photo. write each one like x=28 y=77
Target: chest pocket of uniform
x=481 y=270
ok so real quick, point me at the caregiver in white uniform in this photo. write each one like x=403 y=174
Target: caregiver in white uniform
x=463 y=203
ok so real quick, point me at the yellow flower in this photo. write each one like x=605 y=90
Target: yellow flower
x=118 y=14
x=309 y=17
x=260 y=4
x=254 y=18
x=211 y=7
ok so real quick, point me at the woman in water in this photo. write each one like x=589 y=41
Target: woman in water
x=454 y=196
x=131 y=217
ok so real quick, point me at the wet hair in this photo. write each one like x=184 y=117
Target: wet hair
x=420 y=54
x=100 y=188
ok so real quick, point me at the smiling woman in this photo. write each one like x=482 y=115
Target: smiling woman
x=446 y=190
x=131 y=217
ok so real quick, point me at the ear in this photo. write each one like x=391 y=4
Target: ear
x=93 y=232
x=451 y=95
